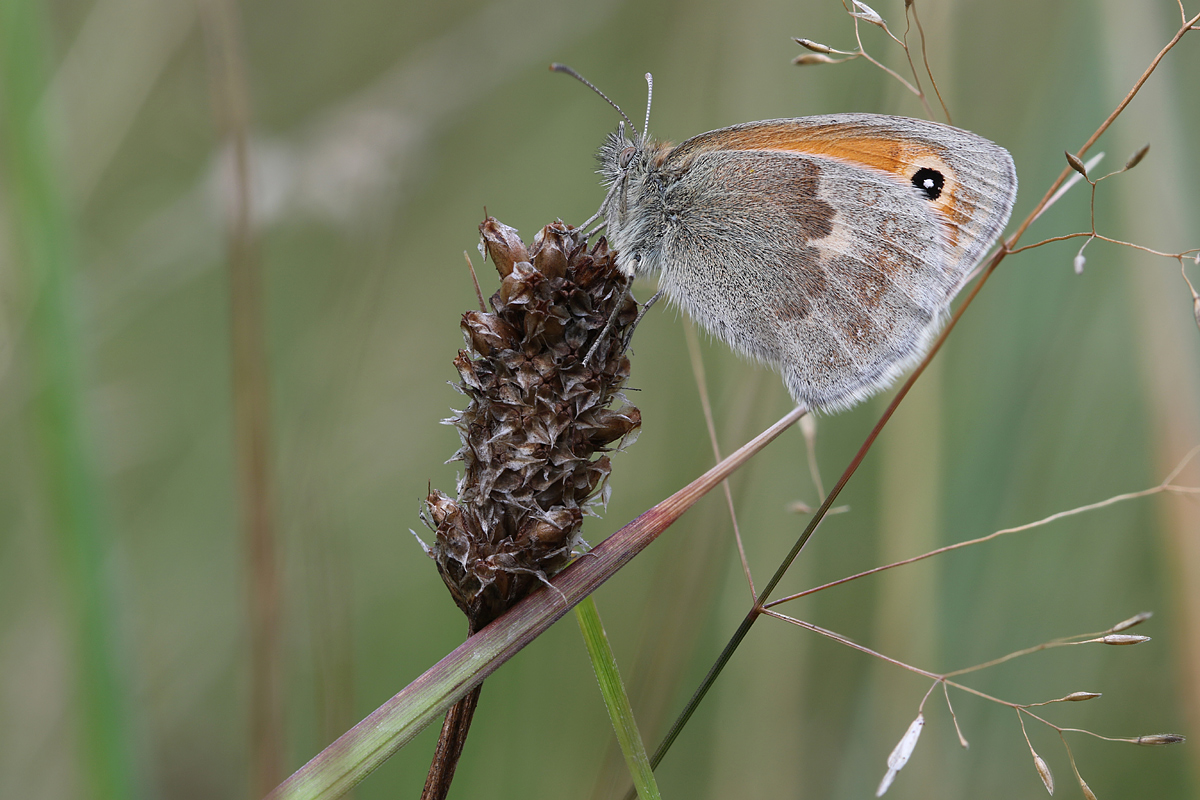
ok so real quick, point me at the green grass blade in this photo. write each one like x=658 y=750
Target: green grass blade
x=360 y=750
x=616 y=700
x=42 y=237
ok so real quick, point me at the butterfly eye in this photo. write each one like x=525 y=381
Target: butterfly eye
x=626 y=156
x=929 y=182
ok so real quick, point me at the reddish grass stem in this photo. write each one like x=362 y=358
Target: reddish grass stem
x=748 y=622
x=251 y=402
x=345 y=762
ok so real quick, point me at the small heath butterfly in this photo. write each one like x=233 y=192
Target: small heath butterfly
x=829 y=247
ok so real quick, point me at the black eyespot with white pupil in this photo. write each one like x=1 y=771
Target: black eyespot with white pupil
x=929 y=182
x=626 y=156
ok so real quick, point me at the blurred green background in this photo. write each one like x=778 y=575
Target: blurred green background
x=381 y=130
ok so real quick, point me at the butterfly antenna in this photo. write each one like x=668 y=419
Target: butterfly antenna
x=649 y=97
x=564 y=68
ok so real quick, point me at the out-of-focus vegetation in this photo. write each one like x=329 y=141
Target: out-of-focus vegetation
x=380 y=132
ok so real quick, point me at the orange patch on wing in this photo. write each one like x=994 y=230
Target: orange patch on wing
x=895 y=157
x=898 y=157
x=837 y=141
x=889 y=156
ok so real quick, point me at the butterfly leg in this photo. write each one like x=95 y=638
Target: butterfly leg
x=612 y=321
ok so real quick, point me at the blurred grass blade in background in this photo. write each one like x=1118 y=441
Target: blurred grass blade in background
x=230 y=89
x=69 y=481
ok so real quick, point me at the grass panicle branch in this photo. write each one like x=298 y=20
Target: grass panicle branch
x=370 y=742
x=985 y=272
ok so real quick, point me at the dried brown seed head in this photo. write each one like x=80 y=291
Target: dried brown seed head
x=816 y=47
x=1160 y=739
x=538 y=419
x=551 y=248
x=1076 y=164
x=867 y=14
x=809 y=59
x=1121 y=639
x=1137 y=157
x=1136 y=619
x=1043 y=770
x=502 y=245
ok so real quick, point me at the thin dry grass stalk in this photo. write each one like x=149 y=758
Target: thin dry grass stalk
x=983 y=273
x=251 y=398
